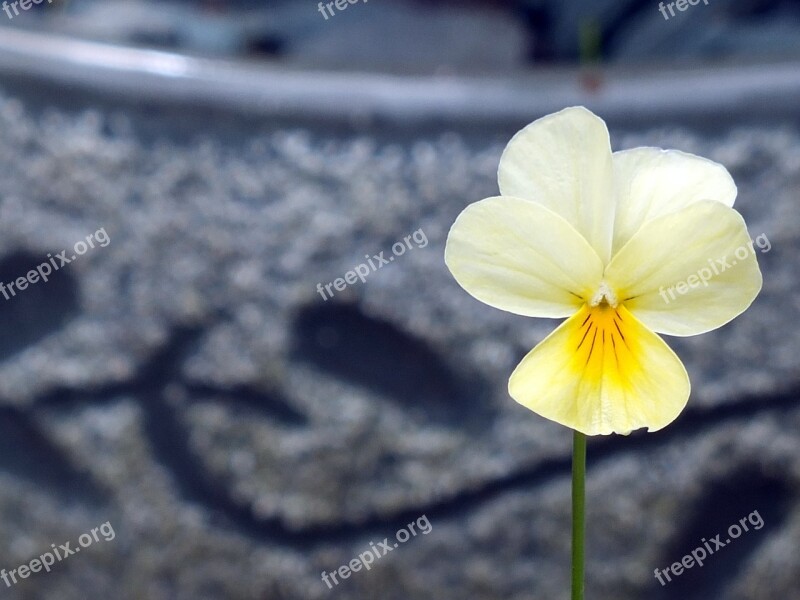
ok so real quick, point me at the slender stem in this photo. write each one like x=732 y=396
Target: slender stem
x=578 y=512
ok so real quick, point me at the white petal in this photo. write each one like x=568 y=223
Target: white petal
x=602 y=372
x=687 y=272
x=518 y=256
x=563 y=161
x=650 y=182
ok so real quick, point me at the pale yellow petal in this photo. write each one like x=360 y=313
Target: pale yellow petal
x=518 y=256
x=687 y=272
x=650 y=182
x=563 y=161
x=602 y=372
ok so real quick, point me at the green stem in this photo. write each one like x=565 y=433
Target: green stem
x=578 y=512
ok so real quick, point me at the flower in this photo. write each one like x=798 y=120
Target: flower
x=604 y=239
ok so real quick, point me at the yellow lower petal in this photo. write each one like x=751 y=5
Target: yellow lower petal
x=601 y=372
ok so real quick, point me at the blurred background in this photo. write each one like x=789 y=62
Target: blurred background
x=187 y=386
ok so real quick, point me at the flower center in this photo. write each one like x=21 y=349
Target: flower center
x=605 y=347
x=604 y=295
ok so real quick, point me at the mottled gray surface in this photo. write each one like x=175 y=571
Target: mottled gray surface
x=189 y=385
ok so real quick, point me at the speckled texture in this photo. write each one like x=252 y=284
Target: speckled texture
x=188 y=384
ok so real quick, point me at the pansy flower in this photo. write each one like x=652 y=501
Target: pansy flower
x=626 y=245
